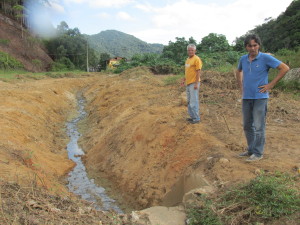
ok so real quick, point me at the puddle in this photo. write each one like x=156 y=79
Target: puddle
x=79 y=183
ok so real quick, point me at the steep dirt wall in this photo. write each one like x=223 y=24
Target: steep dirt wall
x=137 y=135
x=33 y=139
x=22 y=46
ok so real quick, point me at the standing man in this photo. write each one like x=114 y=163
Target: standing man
x=193 y=67
x=252 y=78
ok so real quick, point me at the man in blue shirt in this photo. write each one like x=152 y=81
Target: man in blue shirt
x=252 y=78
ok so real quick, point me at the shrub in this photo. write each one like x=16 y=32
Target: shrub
x=8 y=62
x=63 y=64
x=203 y=214
x=265 y=198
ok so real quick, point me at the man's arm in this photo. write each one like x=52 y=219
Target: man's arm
x=239 y=79
x=197 y=78
x=282 y=70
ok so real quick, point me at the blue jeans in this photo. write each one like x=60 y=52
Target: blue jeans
x=193 y=101
x=254 y=119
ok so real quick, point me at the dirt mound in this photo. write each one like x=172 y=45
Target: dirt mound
x=23 y=46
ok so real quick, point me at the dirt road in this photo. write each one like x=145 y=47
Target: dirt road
x=135 y=134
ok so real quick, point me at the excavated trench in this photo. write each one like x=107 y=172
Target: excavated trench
x=78 y=181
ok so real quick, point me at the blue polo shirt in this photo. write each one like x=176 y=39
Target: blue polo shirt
x=255 y=74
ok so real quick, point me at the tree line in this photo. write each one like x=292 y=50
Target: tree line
x=69 y=49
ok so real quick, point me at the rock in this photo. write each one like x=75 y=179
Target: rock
x=258 y=172
x=183 y=98
x=223 y=160
x=292 y=75
x=191 y=197
x=159 y=215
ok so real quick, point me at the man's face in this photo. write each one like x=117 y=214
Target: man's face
x=191 y=52
x=252 y=48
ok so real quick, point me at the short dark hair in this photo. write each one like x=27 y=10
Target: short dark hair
x=252 y=37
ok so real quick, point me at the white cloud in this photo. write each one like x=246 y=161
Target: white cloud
x=145 y=7
x=124 y=16
x=103 y=3
x=186 y=18
x=57 y=7
x=103 y=15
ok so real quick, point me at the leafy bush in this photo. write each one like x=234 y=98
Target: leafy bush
x=203 y=214
x=63 y=64
x=265 y=198
x=290 y=57
x=155 y=62
x=166 y=67
x=8 y=62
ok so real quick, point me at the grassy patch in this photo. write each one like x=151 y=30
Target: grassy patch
x=173 y=79
x=205 y=214
x=11 y=75
x=265 y=198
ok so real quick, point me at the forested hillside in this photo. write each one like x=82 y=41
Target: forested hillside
x=117 y=43
x=282 y=32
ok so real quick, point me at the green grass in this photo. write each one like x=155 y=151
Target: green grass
x=203 y=214
x=263 y=199
x=173 y=79
x=11 y=75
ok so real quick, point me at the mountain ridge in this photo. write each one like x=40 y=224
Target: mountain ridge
x=117 y=43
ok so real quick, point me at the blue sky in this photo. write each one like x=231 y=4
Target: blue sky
x=160 y=21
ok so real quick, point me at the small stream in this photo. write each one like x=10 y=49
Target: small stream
x=79 y=183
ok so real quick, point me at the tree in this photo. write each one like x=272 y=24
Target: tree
x=282 y=32
x=104 y=57
x=71 y=44
x=214 y=43
x=177 y=50
x=62 y=28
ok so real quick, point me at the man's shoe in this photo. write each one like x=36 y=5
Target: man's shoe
x=194 y=121
x=253 y=158
x=189 y=119
x=244 y=154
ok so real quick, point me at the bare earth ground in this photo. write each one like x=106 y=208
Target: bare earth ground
x=136 y=136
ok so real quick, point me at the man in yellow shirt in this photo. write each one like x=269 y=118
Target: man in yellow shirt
x=193 y=66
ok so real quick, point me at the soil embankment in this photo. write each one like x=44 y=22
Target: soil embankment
x=33 y=139
x=136 y=135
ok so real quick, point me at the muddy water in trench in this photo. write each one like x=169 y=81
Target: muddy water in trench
x=79 y=183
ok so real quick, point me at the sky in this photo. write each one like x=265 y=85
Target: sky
x=161 y=21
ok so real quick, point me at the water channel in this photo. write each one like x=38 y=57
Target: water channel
x=79 y=183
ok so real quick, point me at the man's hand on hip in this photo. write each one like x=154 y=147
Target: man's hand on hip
x=196 y=86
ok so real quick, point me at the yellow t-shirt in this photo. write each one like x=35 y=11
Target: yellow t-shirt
x=191 y=66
